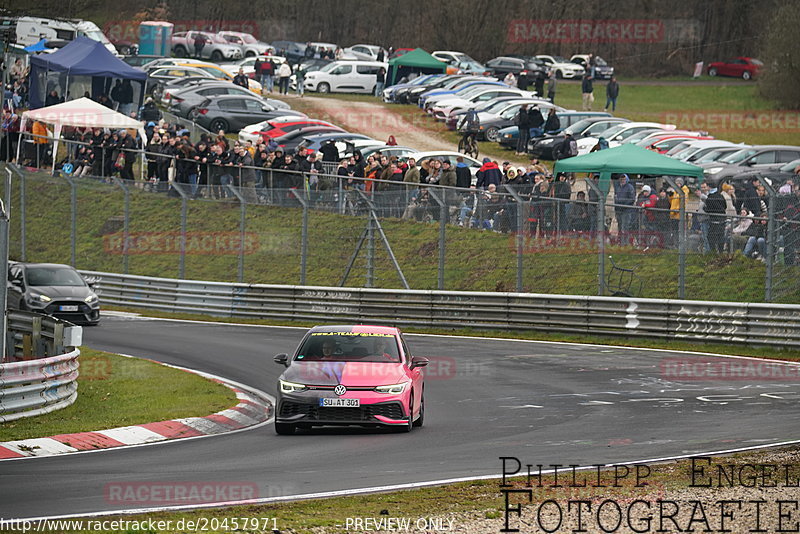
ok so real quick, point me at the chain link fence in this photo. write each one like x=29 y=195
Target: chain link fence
x=263 y=225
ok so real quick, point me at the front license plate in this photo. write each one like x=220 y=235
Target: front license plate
x=339 y=403
x=68 y=308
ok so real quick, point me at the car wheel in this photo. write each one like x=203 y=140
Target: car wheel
x=712 y=72
x=410 y=425
x=216 y=56
x=284 y=429
x=323 y=88
x=250 y=54
x=218 y=124
x=179 y=51
x=492 y=134
x=559 y=75
x=421 y=419
x=746 y=75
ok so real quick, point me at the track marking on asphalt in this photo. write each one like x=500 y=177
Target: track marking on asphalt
x=382 y=489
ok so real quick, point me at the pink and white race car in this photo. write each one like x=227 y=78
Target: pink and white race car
x=351 y=375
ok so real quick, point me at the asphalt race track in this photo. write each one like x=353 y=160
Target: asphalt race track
x=544 y=403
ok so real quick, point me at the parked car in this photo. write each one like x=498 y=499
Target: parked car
x=216 y=48
x=602 y=70
x=501 y=66
x=400 y=152
x=421 y=157
x=400 y=51
x=345 y=77
x=365 y=52
x=397 y=93
x=562 y=67
x=474 y=98
x=691 y=150
x=666 y=142
x=414 y=94
x=292 y=51
x=52 y=289
x=717 y=154
x=157 y=78
x=378 y=382
x=275 y=129
x=289 y=141
x=456 y=88
x=459 y=62
x=139 y=61
x=542 y=147
x=619 y=133
x=758 y=158
x=230 y=113
x=221 y=74
x=775 y=177
x=181 y=102
x=250 y=46
x=508 y=136
x=315 y=142
x=247 y=64
x=493 y=122
x=490 y=109
x=252 y=132
x=740 y=67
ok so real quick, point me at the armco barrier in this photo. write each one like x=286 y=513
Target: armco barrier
x=756 y=324
x=47 y=381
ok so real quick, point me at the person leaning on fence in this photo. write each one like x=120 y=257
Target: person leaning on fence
x=488 y=174
x=579 y=217
x=647 y=201
x=714 y=206
x=624 y=198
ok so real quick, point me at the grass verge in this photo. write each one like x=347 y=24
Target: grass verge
x=117 y=391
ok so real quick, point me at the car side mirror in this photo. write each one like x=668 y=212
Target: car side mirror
x=91 y=281
x=418 y=361
x=282 y=359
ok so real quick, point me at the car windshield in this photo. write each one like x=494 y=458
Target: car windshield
x=53 y=276
x=634 y=132
x=756 y=62
x=614 y=130
x=472 y=90
x=329 y=67
x=714 y=155
x=249 y=39
x=600 y=61
x=578 y=127
x=559 y=59
x=791 y=166
x=680 y=147
x=349 y=347
x=737 y=156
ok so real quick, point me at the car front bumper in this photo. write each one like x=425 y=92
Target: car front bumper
x=303 y=409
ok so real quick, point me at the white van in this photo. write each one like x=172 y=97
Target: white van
x=345 y=77
x=31 y=30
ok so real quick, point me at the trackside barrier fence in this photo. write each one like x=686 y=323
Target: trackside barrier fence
x=752 y=324
x=41 y=368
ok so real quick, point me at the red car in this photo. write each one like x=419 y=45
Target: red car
x=740 y=67
x=351 y=375
x=277 y=129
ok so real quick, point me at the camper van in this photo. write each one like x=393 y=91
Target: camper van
x=31 y=30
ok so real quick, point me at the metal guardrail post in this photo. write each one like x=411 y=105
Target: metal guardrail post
x=681 y=237
x=772 y=238
x=340 y=197
x=600 y=229
x=242 y=228
x=184 y=198
x=304 y=237
x=443 y=215
x=4 y=266
x=520 y=237
x=73 y=218
x=126 y=214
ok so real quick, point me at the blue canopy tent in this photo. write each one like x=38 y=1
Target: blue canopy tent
x=41 y=46
x=84 y=64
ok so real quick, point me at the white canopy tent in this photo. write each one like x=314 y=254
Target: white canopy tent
x=81 y=113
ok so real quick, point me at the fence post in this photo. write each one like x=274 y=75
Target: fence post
x=4 y=266
x=126 y=216
x=600 y=229
x=242 y=227
x=520 y=234
x=11 y=167
x=771 y=239
x=443 y=216
x=341 y=194
x=184 y=198
x=73 y=224
x=303 y=237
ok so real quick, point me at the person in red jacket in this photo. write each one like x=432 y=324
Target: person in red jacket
x=647 y=200
x=488 y=174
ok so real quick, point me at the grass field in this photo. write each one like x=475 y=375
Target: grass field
x=116 y=391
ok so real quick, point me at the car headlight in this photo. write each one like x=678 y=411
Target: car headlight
x=394 y=389
x=39 y=297
x=91 y=299
x=546 y=141
x=713 y=170
x=507 y=136
x=291 y=387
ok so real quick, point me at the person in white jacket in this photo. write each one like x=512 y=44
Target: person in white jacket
x=284 y=72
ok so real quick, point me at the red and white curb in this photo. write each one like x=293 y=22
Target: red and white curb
x=251 y=410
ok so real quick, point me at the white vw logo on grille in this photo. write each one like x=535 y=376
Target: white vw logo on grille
x=340 y=390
